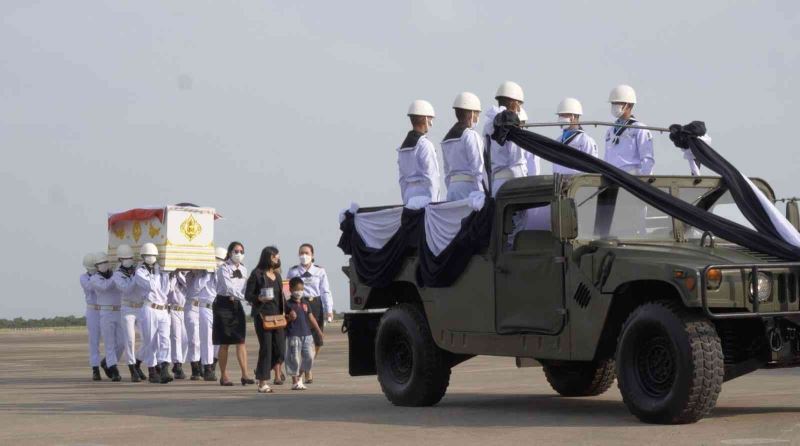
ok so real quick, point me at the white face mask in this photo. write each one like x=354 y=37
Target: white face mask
x=237 y=257
x=127 y=263
x=150 y=260
x=305 y=259
x=430 y=122
x=617 y=110
x=565 y=119
x=103 y=267
x=296 y=295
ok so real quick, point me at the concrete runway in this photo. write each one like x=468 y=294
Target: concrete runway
x=47 y=397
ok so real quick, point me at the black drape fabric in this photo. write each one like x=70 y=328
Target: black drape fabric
x=506 y=127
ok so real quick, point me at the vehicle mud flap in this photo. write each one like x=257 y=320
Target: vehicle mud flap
x=361 y=329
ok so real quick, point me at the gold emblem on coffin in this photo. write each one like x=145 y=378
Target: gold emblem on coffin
x=153 y=230
x=119 y=231
x=137 y=231
x=190 y=228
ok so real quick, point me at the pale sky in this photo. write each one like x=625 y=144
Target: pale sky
x=279 y=114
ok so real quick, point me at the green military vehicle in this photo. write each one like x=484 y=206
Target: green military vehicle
x=614 y=291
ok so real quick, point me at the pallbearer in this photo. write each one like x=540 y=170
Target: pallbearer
x=92 y=316
x=202 y=286
x=508 y=160
x=178 y=336
x=416 y=157
x=630 y=149
x=569 y=112
x=131 y=309
x=154 y=286
x=109 y=299
x=462 y=150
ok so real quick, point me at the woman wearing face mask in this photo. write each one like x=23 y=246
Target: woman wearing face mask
x=229 y=321
x=265 y=294
x=316 y=293
x=462 y=149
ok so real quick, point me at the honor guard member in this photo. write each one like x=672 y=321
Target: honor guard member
x=569 y=112
x=92 y=316
x=416 y=157
x=629 y=149
x=316 y=292
x=131 y=310
x=177 y=307
x=508 y=160
x=154 y=285
x=462 y=150
x=532 y=162
x=202 y=286
x=109 y=299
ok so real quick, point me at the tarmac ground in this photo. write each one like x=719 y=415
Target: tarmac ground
x=47 y=397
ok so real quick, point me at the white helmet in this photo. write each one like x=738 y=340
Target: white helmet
x=148 y=249
x=467 y=101
x=522 y=115
x=124 y=252
x=569 y=106
x=88 y=261
x=100 y=257
x=511 y=90
x=421 y=107
x=220 y=253
x=622 y=93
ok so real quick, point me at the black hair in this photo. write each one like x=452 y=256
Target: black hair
x=266 y=257
x=504 y=101
x=294 y=281
x=231 y=247
x=418 y=120
x=462 y=114
x=311 y=247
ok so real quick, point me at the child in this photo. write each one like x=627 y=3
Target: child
x=300 y=354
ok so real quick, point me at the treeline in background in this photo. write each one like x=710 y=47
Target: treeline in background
x=58 y=321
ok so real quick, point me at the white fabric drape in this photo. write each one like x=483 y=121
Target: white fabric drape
x=443 y=221
x=788 y=233
x=377 y=228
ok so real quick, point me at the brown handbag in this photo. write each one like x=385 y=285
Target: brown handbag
x=273 y=322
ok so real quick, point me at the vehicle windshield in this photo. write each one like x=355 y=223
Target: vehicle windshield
x=724 y=206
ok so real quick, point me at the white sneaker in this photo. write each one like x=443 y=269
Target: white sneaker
x=264 y=389
x=299 y=386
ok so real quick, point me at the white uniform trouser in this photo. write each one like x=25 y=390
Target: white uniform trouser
x=155 y=336
x=131 y=320
x=113 y=338
x=459 y=190
x=191 y=320
x=207 y=350
x=93 y=327
x=178 y=341
x=419 y=189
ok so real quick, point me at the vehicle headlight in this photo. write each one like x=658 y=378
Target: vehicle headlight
x=764 y=287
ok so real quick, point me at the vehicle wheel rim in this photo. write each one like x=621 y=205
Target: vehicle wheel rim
x=655 y=365
x=401 y=359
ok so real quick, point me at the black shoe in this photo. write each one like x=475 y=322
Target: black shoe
x=115 y=373
x=208 y=373
x=196 y=376
x=165 y=376
x=225 y=383
x=105 y=368
x=154 y=376
x=158 y=368
x=139 y=371
x=246 y=381
x=134 y=376
x=96 y=374
x=177 y=369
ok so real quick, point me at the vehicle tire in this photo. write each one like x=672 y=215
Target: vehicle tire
x=670 y=365
x=411 y=368
x=579 y=378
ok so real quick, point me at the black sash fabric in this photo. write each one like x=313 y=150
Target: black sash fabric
x=621 y=130
x=765 y=239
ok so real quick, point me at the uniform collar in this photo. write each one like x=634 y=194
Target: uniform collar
x=456 y=131
x=412 y=138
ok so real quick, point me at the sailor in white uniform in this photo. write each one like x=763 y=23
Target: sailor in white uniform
x=154 y=285
x=131 y=309
x=508 y=160
x=109 y=300
x=92 y=316
x=416 y=157
x=569 y=112
x=202 y=289
x=629 y=149
x=462 y=149
x=177 y=307
x=533 y=163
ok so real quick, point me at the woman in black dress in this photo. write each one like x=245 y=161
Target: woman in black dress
x=265 y=294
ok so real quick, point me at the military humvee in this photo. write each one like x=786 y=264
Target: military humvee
x=613 y=289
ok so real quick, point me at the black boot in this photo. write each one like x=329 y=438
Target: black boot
x=105 y=368
x=115 y=376
x=196 y=376
x=134 y=375
x=165 y=376
x=96 y=374
x=177 y=369
x=158 y=368
x=208 y=373
x=154 y=377
x=139 y=371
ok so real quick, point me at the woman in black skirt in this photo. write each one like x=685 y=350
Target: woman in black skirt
x=265 y=294
x=229 y=322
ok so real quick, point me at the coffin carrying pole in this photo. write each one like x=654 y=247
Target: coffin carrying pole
x=594 y=124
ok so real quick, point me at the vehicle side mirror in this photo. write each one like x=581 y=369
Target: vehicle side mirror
x=792 y=214
x=564 y=219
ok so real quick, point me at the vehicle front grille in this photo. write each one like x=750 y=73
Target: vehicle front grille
x=759 y=255
x=787 y=288
x=582 y=295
